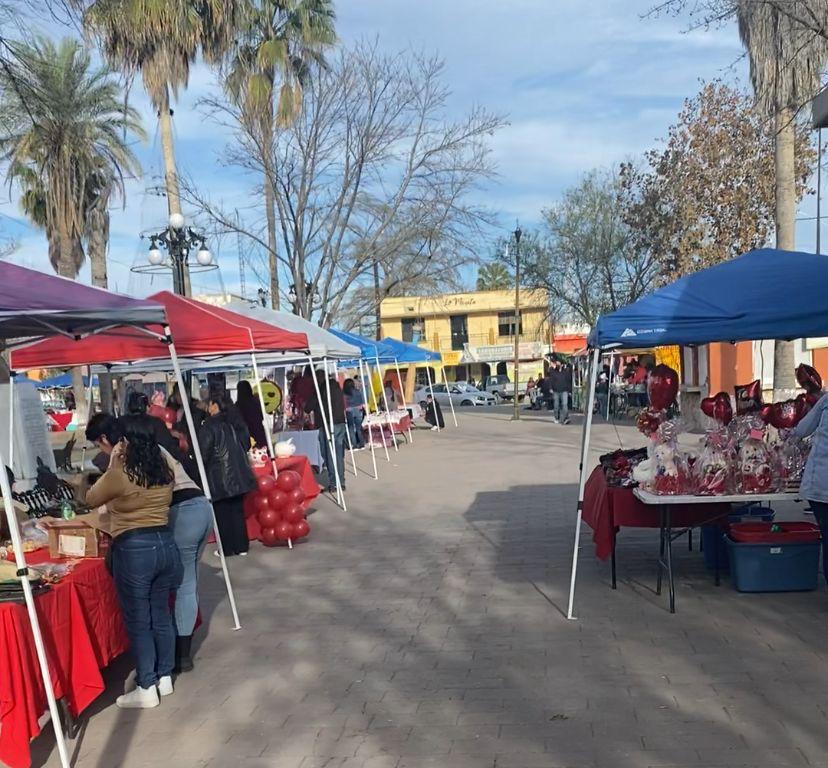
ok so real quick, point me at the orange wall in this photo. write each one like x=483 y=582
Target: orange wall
x=729 y=365
x=820 y=362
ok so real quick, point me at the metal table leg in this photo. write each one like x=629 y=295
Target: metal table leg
x=614 y=582
x=665 y=555
x=660 y=552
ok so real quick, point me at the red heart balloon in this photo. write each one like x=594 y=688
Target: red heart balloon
x=785 y=415
x=269 y=518
x=718 y=407
x=748 y=397
x=765 y=413
x=808 y=378
x=288 y=480
x=265 y=483
x=707 y=406
x=662 y=387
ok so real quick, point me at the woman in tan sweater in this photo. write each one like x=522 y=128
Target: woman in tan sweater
x=137 y=490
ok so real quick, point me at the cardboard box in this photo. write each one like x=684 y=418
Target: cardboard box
x=71 y=538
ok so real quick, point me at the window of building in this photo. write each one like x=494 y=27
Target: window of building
x=413 y=329
x=506 y=324
x=459 y=331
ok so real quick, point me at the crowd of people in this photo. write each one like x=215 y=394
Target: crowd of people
x=552 y=391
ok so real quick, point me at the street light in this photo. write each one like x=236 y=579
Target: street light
x=178 y=240
x=517 y=235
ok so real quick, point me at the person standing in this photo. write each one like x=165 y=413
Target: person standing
x=355 y=412
x=250 y=408
x=558 y=387
x=146 y=566
x=321 y=413
x=546 y=392
x=225 y=441
x=567 y=381
x=602 y=391
x=814 y=486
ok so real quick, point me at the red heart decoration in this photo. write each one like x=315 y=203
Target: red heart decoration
x=786 y=415
x=812 y=398
x=808 y=378
x=662 y=387
x=748 y=397
x=718 y=407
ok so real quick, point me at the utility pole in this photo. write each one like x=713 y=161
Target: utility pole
x=517 y=234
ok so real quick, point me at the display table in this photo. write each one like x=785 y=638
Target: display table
x=309 y=485
x=382 y=424
x=82 y=631
x=306 y=442
x=667 y=507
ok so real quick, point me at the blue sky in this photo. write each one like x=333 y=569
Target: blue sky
x=583 y=84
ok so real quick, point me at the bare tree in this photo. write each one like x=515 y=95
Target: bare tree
x=372 y=182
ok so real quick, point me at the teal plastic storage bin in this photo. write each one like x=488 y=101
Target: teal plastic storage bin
x=774 y=567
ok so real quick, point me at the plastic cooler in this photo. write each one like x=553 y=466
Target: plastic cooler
x=714 y=535
x=774 y=557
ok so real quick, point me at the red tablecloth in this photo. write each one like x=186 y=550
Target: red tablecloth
x=297 y=463
x=607 y=509
x=83 y=632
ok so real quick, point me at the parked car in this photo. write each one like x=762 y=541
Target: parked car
x=462 y=393
x=500 y=385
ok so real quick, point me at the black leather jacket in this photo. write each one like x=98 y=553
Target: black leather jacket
x=224 y=446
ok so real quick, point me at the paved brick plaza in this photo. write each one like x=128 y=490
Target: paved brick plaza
x=424 y=628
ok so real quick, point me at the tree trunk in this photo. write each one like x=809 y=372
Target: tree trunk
x=66 y=268
x=165 y=130
x=784 y=380
x=377 y=301
x=98 y=239
x=273 y=261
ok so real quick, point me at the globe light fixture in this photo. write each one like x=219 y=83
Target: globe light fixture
x=155 y=257
x=204 y=257
x=176 y=221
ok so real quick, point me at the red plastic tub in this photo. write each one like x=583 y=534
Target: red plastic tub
x=774 y=533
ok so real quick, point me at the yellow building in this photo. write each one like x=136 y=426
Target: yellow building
x=474 y=331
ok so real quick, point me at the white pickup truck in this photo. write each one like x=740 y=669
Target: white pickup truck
x=501 y=387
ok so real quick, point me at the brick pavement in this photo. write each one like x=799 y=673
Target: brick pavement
x=424 y=629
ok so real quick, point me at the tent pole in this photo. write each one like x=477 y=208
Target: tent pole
x=448 y=392
x=402 y=394
x=593 y=377
x=431 y=391
x=23 y=574
x=89 y=397
x=347 y=429
x=370 y=433
x=387 y=409
x=609 y=382
x=11 y=420
x=329 y=434
x=268 y=427
x=188 y=415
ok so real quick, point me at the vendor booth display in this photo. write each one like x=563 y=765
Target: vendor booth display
x=743 y=458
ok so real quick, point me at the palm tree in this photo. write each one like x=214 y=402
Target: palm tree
x=494 y=277
x=161 y=39
x=280 y=39
x=65 y=143
x=785 y=63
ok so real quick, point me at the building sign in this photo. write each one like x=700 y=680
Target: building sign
x=527 y=350
x=451 y=358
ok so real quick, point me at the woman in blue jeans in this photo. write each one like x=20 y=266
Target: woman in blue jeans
x=146 y=566
x=814 y=486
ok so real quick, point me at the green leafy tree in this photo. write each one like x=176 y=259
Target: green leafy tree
x=494 y=277
x=280 y=41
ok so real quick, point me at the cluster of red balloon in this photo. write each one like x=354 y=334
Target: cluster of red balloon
x=785 y=414
x=277 y=504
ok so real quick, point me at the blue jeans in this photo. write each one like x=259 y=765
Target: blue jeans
x=190 y=521
x=147 y=568
x=339 y=444
x=355 y=418
x=561 y=405
x=821 y=514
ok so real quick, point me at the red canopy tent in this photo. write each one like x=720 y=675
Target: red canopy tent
x=199 y=330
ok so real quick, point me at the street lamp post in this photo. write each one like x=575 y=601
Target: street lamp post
x=517 y=233
x=178 y=241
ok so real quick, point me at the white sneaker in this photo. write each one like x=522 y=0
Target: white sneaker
x=242 y=554
x=434 y=429
x=131 y=681
x=140 y=698
x=165 y=686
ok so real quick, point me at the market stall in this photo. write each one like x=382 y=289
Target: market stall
x=738 y=300
x=35 y=305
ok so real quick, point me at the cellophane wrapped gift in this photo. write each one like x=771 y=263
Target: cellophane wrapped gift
x=791 y=454
x=756 y=468
x=713 y=469
x=671 y=476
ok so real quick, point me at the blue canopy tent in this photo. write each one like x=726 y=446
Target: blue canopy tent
x=764 y=294
x=63 y=381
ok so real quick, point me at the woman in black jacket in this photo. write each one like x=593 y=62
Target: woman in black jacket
x=224 y=441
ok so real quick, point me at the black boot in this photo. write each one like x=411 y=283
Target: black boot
x=183 y=660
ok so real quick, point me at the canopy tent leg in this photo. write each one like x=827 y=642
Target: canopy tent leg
x=370 y=433
x=448 y=392
x=431 y=391
x=11 y=420
x=23 y=574
x=402 y=394
x=347 y=428
x=340 y=500
x=188 y=416
x=609 y=388
x=593 y=377
x=89 y=394
x=268 y=428
x=387 y=409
